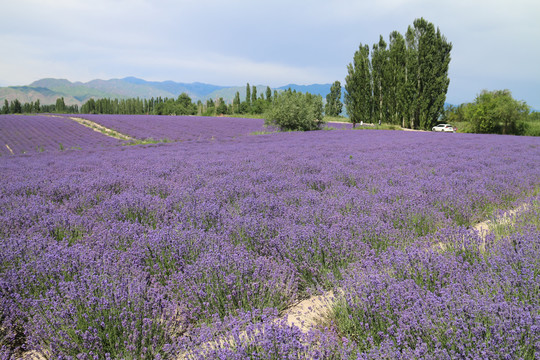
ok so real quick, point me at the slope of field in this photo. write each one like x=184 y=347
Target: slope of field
x=20 y=134
x=178 y=128
x=154 y=252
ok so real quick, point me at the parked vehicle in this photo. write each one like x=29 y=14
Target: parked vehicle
x=444 y=128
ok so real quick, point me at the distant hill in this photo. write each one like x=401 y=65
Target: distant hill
x=48 y=90
x=31 y=94
x=316 y=89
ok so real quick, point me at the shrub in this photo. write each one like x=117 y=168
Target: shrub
x=292 y=111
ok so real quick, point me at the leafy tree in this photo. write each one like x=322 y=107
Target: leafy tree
x=236 y=102
x=404 y=82
x=60 y=105
x=222 y=107
x=534 y=116
x=5 y=108
x=248 y=96
x=268 y=94
x=397 y=61
x=258 y=106
x=296 y=111
x=253 y=95
x=333 y=100
x=210 y=107
x=244 y=109
x=184 y=106
x=454 y=114
x=358 y=95
x=497 y=112
x=15 y=107
x=429 y=61
x=380 y=75
x=28 y=107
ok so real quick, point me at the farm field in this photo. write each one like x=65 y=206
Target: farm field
x=195 y=249
x=21 y=134
x=178 y=128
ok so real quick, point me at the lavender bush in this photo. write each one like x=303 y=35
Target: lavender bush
x=136 y=252
x=424 y=303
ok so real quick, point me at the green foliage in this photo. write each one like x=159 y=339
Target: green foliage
x=333 y=100
x=236 y=102
x=60 y=105
x=15 y=107
x=433 y=59
x=454 y=114
x=381 y=78
x=497 y=112
x=403 y=82
x=221 y=108
x=358 y=96
x=532 y=128
x=253 y=95
x=268 y=94
x=248 y=95
x=534 y=116
x=397 y=60
x=296 y=111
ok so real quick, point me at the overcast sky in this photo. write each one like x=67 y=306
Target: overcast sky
x=496 y=43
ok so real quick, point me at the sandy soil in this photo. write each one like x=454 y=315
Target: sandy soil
x=310 y=312
x=11 y=151
x=102 y=129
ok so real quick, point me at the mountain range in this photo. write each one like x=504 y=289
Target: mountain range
x=48 y=90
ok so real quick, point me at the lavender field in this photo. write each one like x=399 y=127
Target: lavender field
x=195 y=249
x=178 y=128
x=27 y=134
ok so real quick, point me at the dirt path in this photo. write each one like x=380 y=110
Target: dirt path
x=310 y=312
x=102 y=129
x=484 y=228
x=97 y=127
x=11 y=151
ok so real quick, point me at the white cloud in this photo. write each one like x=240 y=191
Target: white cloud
x=280 y=41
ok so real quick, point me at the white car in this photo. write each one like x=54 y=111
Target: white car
x=444 y=128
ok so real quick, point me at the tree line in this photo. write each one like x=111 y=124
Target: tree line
x=402 y=82
x=253 y=103
x=34 y=107
x=183 y=105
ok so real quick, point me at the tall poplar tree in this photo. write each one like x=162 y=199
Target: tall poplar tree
x=429 y=61
x=397 y=60
x=236 y=102
x=60 y=105
x=248 y=95
x=268 y=94
x=379 y=61
x=358 y=95
x=253 y=95
x=333 y=100
x=409 y=78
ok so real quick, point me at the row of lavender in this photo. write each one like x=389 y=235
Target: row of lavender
x=178 y=128
x=28 y=134
x=25 y=134
x=150 y=252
